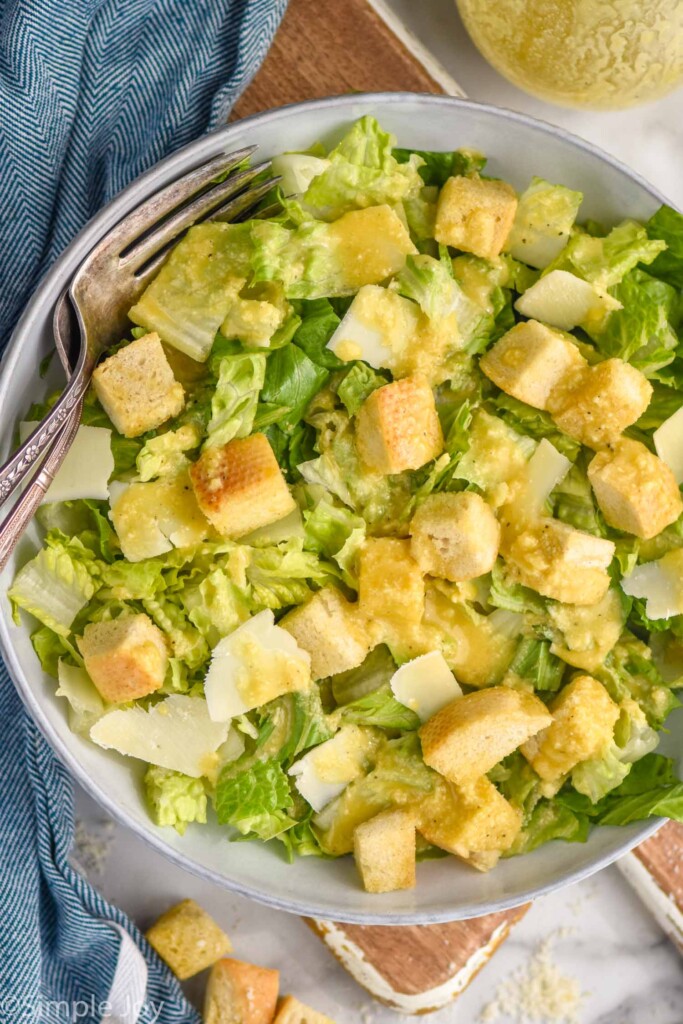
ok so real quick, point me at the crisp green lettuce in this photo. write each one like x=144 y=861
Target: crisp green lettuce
x=290 y=725
x=549 y=820
x=280 y=575
x=667 y=224
x=436 y=168
x=174 y=799
x=534 y=423
x=372 y=675
x=319 y=321
x=629 y=672
x=55 y=585
x=600 y=775
x=234 y=402
x=363 y=172
x=430 y=283
x=291 y=380
x=164 y=455
x=606 y=261
x=216 y=605
x=642 y=332
x=357 y=385
x=255 y=801
x=335 y=532
x=190 y=297
x=534 y=662
x=381 y=709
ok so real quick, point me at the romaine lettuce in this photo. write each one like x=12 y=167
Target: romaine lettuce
x=234 y=402
x=362 y=172
x=174 y=799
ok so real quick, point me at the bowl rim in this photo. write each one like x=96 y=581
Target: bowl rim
x=146 y=184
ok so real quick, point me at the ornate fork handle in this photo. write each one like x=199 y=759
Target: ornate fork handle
x=21 y=462
x=22 y=513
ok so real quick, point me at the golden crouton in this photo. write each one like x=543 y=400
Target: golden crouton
x=384 y=848
x=332 y=630
x=126 y=658
x=455 y=536
x=291 y=1011
x=468 y=737
x=240 y=993
x=239 y=486
x=187 y=939
x=475 y=215
x=391 y=588
x=583 y=720
x=560 y=562
x=530 y=360
x=136 y=387
x=636 y=490
x=398 y=427
x=370 y=245
x=598 y=404
x=474 y=822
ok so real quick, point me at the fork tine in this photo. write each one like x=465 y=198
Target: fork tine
x=145 y=216
x=243 y=203
x=147 y=245
x=236 y=207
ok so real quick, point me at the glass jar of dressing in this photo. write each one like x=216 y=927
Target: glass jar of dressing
x=600 y=54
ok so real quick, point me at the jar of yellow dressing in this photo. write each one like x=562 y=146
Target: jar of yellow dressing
x=600 y=54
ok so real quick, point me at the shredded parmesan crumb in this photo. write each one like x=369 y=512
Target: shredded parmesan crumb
x=91 y=846
x=537 y=992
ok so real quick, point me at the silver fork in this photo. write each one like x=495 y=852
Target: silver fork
x=219 y=203
x=118 y=269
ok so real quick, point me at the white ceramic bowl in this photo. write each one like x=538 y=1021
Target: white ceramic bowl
x=518 y=147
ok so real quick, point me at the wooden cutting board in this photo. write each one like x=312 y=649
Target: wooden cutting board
x=325 y=49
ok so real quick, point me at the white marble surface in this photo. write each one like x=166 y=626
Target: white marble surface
x=601 y=935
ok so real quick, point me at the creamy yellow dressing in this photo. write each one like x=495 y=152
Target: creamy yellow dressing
x=265 y=675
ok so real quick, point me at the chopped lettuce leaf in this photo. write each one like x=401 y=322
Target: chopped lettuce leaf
x=190 y=297
x=280 y=575
x=600 y=775
x=534 y=662
x=319 y=321
x=641 y=332
x=436 y=168
x=164 y=455
x=606 y=261
x=291 y=381
x=54 y=586
x=362 y=172
x=357 y=385
x=234 y=403
x=549 y=820
x=335 y=532
x=667 y=224
x=255 y=801
x=216 y=605
x=381 y=709
x=174 y=799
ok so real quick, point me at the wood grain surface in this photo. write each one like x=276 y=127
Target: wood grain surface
x=325 y=49
x=663 y=857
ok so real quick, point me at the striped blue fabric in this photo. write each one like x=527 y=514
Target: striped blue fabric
x=92 y=93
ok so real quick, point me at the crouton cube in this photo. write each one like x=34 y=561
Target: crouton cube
x=240 y=993
x=529 y=362
x=136 y=387
x=370 y=245
x=291 y=1011
x=332 y=630
x=635 y=490
x=560 y=562
x=384 y=848
x=474 y=822
x=126 y=658
x=455 y=536
x=583 y=720
x=239 y=486
x=597 y=405
x=188 y=939
x=468 y=737
x=398 y=427
x=475 y=215
x=391 y=588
